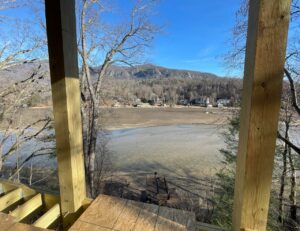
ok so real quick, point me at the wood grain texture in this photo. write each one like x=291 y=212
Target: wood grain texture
x=6 y=188
x=83 y=226
x=9 y=186
x=104 y=211
x=25 y=227
x=111 y=213
x=263 y=74
x=165 y=221
x=129 y=216
x=8 y=223
x=147 y=218
x=27 y=208
x=191 y=221
x=48 y=218
x=10 y=198
x=62 y=47
x=208 y=227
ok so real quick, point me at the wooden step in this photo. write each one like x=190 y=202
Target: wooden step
x=26 y=205
x=4 y=189
x=49 y=217
x=10 y=198
x=27 y=208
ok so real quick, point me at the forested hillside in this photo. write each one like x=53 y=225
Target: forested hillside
x=145 y=82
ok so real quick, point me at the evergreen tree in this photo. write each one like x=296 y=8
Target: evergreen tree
x=224 y=193
x=223 y=199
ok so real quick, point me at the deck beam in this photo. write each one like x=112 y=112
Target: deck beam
x=263 y=74
x=49 y=217
x=10 y=198
x=27 y=208
x=62 y=48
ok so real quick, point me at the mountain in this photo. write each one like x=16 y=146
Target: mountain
x=149 y=71
x=125 y=84
x=146 y=71
x=23 y=71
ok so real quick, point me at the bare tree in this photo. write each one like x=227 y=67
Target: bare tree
x=117 y=44
x=20 y=44
x=284 y=172
x=15 y=135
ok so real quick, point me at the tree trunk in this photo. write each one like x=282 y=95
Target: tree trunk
x=292 y=197
x=284 y=172
x=92 y=156
x=92 y=117
x=282 y=182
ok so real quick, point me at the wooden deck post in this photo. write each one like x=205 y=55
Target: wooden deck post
x=265 y=57
x=62 y=46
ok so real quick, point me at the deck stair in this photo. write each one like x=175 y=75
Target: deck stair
x=22 y=208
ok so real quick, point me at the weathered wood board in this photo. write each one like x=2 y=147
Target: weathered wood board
x=9 y=223
x=112 y=213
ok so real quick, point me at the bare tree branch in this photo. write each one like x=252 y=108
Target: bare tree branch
x=293 y=146
x=293 y=91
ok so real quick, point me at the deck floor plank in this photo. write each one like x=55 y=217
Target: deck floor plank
x=147 y=218
x=165 y=221
x=191 y=221
x=108 y=213
x=104 y=211
x=180 y=216
x=6 y=221
x=83 y=226
x=129 y=216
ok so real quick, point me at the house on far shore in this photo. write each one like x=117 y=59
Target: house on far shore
x=137 y=103
x=201 y=101
x=224 y=103
x=184 y=102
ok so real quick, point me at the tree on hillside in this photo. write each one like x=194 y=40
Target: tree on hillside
x=290 y=159
x=223 y=198
x=279 y=217
x=117 y=44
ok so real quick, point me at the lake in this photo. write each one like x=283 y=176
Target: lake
x=182 y=150
x=177 y=150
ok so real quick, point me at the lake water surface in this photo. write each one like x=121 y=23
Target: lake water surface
x=176 y=149
x=185 y=150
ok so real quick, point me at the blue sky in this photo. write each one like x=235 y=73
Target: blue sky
x=196 y=35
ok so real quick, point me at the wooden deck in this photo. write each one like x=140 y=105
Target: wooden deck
x=111 y=213
x=24 y=209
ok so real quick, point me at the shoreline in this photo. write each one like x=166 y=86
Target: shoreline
x=130 y=117
x=137 y=126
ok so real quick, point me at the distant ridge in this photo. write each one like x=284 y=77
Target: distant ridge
x=148 y=71
x=145 y=71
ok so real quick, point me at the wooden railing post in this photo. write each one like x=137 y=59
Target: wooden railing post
x=62 y=47
x=265 y=57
